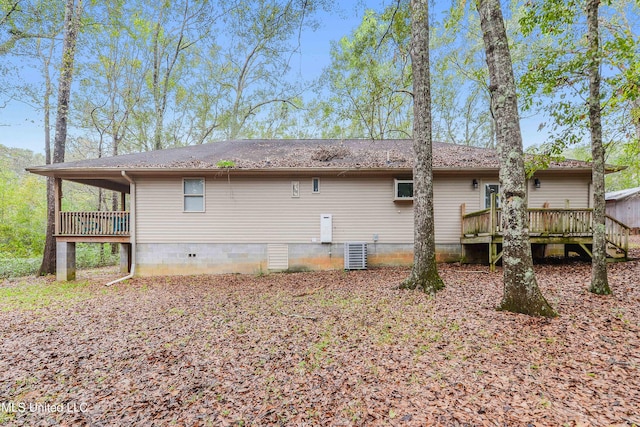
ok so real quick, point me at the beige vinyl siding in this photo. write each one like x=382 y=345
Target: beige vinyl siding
x=449 y=193
x=557 y=189
x=261 y=210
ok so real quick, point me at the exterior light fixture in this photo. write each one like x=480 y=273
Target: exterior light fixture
x=474 y=183
x=536 y=182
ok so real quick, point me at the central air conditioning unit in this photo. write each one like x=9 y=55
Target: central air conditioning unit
x=355 y=256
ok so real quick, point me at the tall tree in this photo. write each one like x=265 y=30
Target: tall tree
x=72 y=17
x=599 y=280
x=521 y=292
x=48 y=91
x=256 y=65
x=370 y=77
x=424 y=273
x=170 y=44
x=556 y=83
x=567 y=73
x=22 y=20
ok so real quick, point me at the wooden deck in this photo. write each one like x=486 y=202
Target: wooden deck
x=570 y=227
x=101 y=226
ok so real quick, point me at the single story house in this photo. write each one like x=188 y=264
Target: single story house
x=624 y=205
x=251 y=206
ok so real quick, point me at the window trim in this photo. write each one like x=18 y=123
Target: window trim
x=295 y=189
x=203 y=195
x=484 y=193
x=395 y=189
x=313 y=186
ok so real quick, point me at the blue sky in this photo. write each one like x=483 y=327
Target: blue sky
x=21 y=125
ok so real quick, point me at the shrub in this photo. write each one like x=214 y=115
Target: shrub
x=88 y=255
x=16 y=267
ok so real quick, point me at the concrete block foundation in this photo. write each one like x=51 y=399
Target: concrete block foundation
x=154 y=259
x=65 y=261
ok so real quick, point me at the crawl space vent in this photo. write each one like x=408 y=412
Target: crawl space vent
x=355 y=256
x=277 y=257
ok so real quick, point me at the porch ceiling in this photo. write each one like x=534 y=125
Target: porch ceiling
x=109 y=179
x=109 y=184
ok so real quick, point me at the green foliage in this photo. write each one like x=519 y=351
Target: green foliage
x=22 y=205
x=626 y=156
x=226 y=164
x=168 y=74
x=11 y=266
x=540 y=157
x=93 y=255
x=88 y=255
x=370 y=79
x=23 y=216
x=371 y=83
x=556 y=84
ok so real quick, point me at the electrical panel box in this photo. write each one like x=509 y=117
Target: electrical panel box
x=326 y=228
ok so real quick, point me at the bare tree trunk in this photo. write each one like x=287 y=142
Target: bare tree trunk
x=521 y=292
x=72 y=14
x=48 y=265
x=425 y=271
x=599 y=281
x=102 y=206
x=114 y=195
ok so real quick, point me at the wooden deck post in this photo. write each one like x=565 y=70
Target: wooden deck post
x=626 y=242
x=57 y=202
x=463 y=252
x=492 y=215
x=493 y=247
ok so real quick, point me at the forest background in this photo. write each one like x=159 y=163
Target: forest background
x=153 y=75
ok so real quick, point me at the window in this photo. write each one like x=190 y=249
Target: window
x=403 y=189
x=193 y=190
x=490 y=189
x=295 y=189
x=315 y=185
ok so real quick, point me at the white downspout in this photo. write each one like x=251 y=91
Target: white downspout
x=132 y=229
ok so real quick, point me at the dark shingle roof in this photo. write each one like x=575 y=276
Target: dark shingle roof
x=307 y=153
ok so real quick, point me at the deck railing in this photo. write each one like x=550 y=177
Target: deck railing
x=547 y=222
x=564 y=222
x=477 y=223
x=94 y=224
x=617 y=233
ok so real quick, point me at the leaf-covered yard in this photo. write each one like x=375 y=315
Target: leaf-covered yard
x=329 y=348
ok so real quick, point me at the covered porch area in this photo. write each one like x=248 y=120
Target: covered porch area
x=73 y=227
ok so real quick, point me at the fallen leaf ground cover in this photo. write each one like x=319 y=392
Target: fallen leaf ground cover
x=327 y=348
